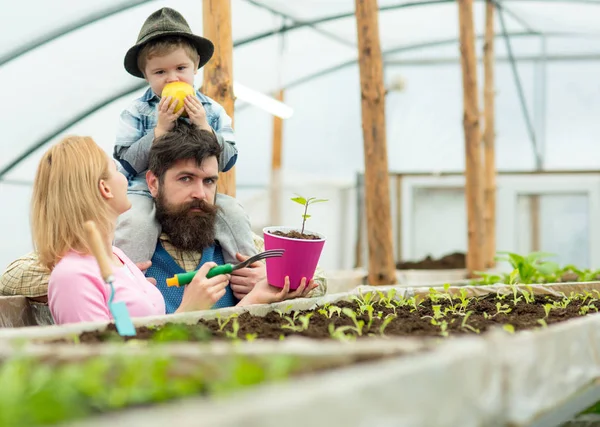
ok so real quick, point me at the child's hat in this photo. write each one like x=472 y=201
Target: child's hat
x=166 y=22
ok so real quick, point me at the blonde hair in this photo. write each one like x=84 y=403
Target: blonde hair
x=164 y=46
x=66 y=194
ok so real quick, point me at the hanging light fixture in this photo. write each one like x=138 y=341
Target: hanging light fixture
x=260 y=100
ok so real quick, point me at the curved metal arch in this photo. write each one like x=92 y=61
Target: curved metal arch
x=94 y=17
x=137 y=86
x=74 y=26
x=346 y=15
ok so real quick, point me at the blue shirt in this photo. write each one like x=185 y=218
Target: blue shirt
x=164 y=266
x=135 y=134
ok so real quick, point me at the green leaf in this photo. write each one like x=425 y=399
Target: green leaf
x=549 y=267
x=300 y=200
x=311 y=201
x=509 y=328
x=306 y=216
x=534 y=256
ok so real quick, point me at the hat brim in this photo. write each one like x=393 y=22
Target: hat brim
x=204 y=47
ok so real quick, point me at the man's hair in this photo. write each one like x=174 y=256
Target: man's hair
x=164 y=46
x=184 y=142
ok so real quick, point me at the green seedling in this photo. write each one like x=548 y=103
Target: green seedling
x=547 y=309
x=303 y=322
x=306 y=202
x=437 y=311
x=464 y=300
x=358 y=324
x=529 y=299
x=434 y=295
x=385 y=323
x=223 y=322
x=516 y=298
x=443 y=328
x=387 y=300
x=500 y=296
x=340 y=332
x=464 y=325
x=251 y=337
x=414 y=303
x=509 y=328
x=502 y=309
x=235 y=327
x=543 y=323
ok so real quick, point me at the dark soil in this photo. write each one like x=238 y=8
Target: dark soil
x=295 y=235
x=451 y=261
x=483 y=313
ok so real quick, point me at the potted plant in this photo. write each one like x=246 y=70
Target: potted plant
x=302 y=249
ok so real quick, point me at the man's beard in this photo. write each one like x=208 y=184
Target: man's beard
x=188 y=230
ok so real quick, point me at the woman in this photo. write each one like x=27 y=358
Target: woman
x=77 y=182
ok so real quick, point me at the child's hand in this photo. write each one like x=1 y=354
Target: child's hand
x=166 y=116
x=196 y=112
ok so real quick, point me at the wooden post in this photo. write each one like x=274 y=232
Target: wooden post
x=275 y=198
x=218 y=73
x=489 y=137
x=382 y=269
x=473 y=171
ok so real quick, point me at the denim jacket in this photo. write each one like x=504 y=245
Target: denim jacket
x=135 y=135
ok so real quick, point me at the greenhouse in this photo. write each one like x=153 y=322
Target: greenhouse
x=414 y=181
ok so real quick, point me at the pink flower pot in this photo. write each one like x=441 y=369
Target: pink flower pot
x=299 y=260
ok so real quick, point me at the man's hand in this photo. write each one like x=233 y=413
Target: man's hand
x=143 y=266
x=244 y=279
x=166 y=116
x=203 y=293
x=196 y=112
x=263 y=293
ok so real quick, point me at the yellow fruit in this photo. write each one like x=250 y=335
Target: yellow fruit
x=178 y=91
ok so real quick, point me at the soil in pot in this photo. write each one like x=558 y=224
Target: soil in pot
x=454 y=260
x=295 y=235
x=435 y=315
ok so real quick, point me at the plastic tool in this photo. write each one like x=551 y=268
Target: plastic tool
x=185 y=278
x=119 y=310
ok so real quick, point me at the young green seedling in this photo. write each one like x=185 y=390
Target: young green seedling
x=529 y=299
x=358 y=324
x=547 y=309
x=502 y=309
x=306 y=202
x=543 y=323
x=385 y=323
x=509 y=328
x=235 y=327
x=340 y=332
x=251 y=337
x=464 y=325
x=223 y=322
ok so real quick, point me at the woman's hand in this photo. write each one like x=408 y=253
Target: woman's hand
x=202 y=293
x=263 y=293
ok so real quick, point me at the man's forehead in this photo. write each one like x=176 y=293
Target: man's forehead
x=209 y=166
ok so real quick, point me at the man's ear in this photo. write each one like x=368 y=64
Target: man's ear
x=152 y=181
x=105 y=191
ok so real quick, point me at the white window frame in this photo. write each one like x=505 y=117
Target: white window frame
x=509 y=188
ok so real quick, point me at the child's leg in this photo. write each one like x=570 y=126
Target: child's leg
x=137 y=229
x=233 y=230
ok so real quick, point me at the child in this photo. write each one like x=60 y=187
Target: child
x=168 y=51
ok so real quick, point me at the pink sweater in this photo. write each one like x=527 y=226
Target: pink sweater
x=77 y=292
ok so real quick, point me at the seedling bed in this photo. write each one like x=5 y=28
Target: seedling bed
x=387 y=314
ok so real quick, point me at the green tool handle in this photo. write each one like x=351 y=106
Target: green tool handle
x=186 y=278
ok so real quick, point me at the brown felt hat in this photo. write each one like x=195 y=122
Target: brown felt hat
x=166 y=22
